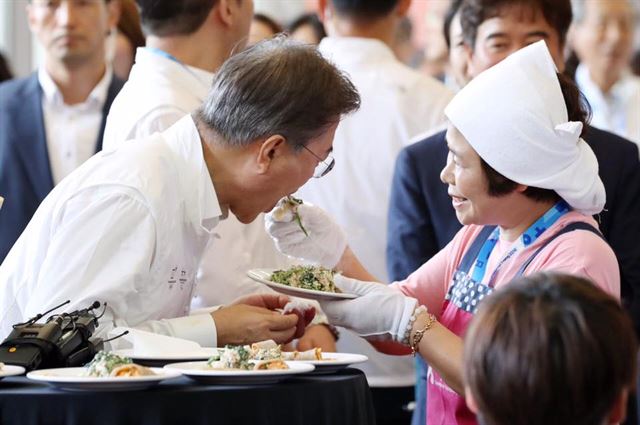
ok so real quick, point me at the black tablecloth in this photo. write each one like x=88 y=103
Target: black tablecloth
x=341 y=398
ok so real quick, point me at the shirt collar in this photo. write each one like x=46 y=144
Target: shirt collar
x=618 y=91
x=194 y=80
x=355 y=49
x=184 y=140
x=52 y=93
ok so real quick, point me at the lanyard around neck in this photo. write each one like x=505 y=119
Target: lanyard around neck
x=527 y=238
x=172 y=58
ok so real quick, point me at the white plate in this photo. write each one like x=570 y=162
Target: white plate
x=160 y=360
x=263 y=276
x=199 y=371
x=10 y=370
x=70 y=378
x=332 y=362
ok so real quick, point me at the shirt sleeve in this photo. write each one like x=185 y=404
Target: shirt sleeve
x=102 y=249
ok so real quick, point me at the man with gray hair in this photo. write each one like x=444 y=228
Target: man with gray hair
x=602 y=37
x=187 y=42
x=129 y=227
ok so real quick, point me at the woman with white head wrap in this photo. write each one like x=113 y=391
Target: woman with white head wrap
x=523 y=183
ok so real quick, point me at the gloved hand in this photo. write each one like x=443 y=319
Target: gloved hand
x=379 y=313
x=324 y=242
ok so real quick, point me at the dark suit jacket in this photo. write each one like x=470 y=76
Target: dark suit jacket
x=422 y=220
x=25 y=171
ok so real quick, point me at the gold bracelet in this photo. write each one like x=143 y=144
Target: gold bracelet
x=417 y=336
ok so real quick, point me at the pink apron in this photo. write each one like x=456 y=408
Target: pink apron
x=445 y=406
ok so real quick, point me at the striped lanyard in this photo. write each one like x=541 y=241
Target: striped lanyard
x=527 y=238
x=169 y=56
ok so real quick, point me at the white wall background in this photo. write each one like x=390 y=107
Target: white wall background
x=16 y=42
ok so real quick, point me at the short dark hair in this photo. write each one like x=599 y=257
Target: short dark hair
x=364 y=9
x=313 y=21
x=474 y=12
x=173 y=17
x=577 y=110
x=549 y=349
x=277 y=86
x=275 y=27
x=452 y=11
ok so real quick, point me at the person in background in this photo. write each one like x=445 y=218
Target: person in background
x=53 y=120
x=262 y=27
x=128 y=38
x=130 y=227
x=518 y=217
x=562 y=350
x=602 y=37
x=457 y=72
x=403 y=46
x=170 y=79
x=307 y=29
x=398 y=103
x=5 y=70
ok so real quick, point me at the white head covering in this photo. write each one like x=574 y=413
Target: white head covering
x=515 y=117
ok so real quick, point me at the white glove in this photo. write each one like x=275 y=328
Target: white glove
x=379 y=313
x=324 y=242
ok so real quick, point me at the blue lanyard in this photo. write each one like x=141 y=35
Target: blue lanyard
x=162 y=53
x=527 y=238
x=169 y=56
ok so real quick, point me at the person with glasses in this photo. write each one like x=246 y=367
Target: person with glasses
x=131 y=227
x=523 y=183
x=186 y=43
x=324 y=165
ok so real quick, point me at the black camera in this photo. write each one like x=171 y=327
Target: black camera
x=63 y=341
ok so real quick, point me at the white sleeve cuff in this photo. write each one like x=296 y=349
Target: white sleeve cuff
x=200 y=328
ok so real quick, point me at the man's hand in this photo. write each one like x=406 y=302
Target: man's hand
x=241 y=324
x=252 y=318
x=317 y=336
x=266 y=300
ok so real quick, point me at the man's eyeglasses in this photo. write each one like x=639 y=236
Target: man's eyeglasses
x=324 y=165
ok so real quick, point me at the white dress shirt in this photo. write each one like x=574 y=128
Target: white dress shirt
x=71 y=130
x=617 y=111
x=397 y=103
x=158 y=93
x=127 y=228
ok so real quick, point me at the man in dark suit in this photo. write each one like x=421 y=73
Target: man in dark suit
x=53 y=120
x=421 y=217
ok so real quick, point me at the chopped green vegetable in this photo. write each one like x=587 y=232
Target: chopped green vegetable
x=294 y=202
x=306 y=277
x=103 y=363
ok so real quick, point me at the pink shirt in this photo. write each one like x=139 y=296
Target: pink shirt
x=579 y=252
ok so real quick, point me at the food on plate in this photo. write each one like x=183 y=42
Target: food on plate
x=106 y=364
x=264 y=355
x=131 y=369
x=287 y=210
x=306 y=277
x=274 y=364
x=243 y=357
x=313 y=354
